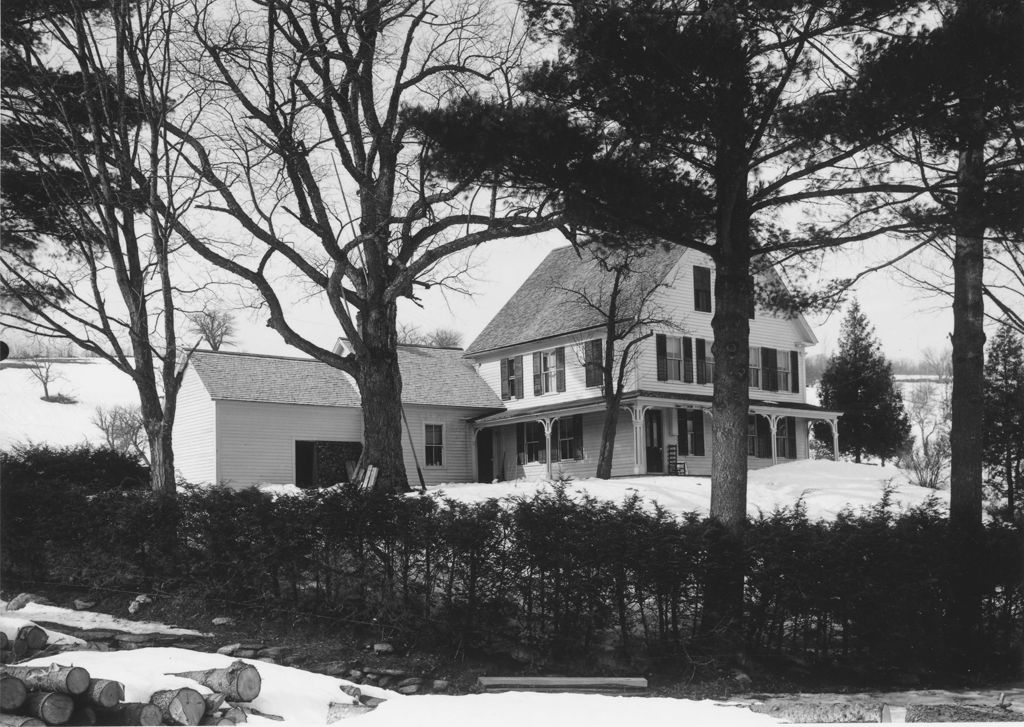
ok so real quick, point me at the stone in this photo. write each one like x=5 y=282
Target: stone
x=383 y=647
x=356 y=674
x=246 y=653
x=410 y=681
x=267 y=659
x=139 y=603
x=229 y=650
x=351 y=690
x=81 y=604
x=440 y=685
x=337 y=711
x=223 y=621
x=275 y=652
x=23 y=599
x=370 y=701
x=410 y=689
x=385 y=681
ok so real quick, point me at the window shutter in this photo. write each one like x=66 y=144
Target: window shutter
x=560 y=368
x=537 y=388
x=521 y=443
x=577 y=435
x=702 y=357
x=592 y=355
x=688 y=360
x=791 y=435
x=794 y=370
x=681 y=417
x=660 y=348
x=698 y=433
x=505 y=396
x=520 y=383
x=770 y=367
x=764 y=437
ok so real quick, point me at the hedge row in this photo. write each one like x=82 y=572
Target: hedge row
x=557 y=574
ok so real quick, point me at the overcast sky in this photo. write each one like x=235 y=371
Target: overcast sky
x=906 y=322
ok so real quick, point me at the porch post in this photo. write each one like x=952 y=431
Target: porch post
x=637 y=412
x=474 y=460
x=773 y=423
x=548 y=424
x=834 y=423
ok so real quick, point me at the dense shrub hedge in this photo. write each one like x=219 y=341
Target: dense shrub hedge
x=553 y=573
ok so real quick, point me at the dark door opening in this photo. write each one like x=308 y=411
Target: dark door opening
x=655 y=441
x=485 y=455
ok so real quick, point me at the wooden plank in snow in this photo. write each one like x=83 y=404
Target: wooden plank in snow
x=589 y=685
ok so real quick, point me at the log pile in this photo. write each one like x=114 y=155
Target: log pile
x=59 y=695
x=20 y=640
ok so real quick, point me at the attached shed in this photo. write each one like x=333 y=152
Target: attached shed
x=246 y=419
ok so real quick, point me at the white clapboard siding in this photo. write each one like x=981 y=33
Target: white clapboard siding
x=457 y=456
x=489 y=368
x=195 y=434
x=256 y=440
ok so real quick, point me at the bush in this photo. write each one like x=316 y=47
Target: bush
x=95 y=469
x=553 y=574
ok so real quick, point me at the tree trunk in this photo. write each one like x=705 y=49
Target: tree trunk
x=239 y=682
x=161 y=453
x=966 y=429
x=611 y=422
x=104 y=693
x=64 y=679
x=380 y=389
x=17 y=720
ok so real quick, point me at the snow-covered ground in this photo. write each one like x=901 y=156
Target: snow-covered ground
x=92 y=620
x=826 y=487
x=25 y=417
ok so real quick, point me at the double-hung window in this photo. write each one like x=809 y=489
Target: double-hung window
x=782 y=437
x=674 y=358
x=754 y=368
x=566 y=438
x=782 y=371
x=752 y=435
x=701 y=288
x=434 y=438
x=548 y=371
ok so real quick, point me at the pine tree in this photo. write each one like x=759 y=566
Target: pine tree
x=1004 y=416
x=859 y=382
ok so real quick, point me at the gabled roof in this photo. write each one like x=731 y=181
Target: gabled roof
x=541 y=308
x=430 y=376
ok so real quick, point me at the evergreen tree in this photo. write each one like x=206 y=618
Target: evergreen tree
x=1004 y=416
x=859 y=382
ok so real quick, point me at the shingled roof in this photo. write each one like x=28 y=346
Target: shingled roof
x=430 y=376
x=541 y=308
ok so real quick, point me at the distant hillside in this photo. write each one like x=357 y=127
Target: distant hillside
x=25 y=417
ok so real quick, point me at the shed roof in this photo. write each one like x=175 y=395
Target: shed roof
x=430 y=376
x=541 y=308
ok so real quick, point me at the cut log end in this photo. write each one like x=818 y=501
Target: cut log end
x=105 y=693
x=12 y=693
x=239 y=682
x=19 y=720
x=51 y=707
x=132 y=713
x=183 y=706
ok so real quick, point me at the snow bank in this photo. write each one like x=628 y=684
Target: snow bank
x=93 y=620
x=827 y=487
x=25 y=417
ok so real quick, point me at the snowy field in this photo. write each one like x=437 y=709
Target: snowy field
x=25 y=417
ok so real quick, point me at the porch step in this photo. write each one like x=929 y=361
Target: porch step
x=581 y=685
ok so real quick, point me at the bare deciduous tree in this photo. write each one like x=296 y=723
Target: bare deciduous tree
x=43 y=372
x=305 y=147
x=622 y=298
x=123 y=429
x=213 y=325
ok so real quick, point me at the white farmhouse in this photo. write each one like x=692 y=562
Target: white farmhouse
x=520 y=402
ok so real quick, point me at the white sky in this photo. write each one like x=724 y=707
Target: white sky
x=906 y=321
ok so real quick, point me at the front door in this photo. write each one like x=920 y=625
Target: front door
x=485 y=455
x=655 y=440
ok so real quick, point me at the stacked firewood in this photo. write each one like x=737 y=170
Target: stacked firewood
x=20 y=640
x=59 y=695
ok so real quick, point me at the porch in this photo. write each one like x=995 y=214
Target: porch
x=656 y=434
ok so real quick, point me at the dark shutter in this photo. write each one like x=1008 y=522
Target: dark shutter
x=520 y=383
x=556 y=435
x=791 y=432
x=769 y=369
x=504 y=380
x=764 y=437
x=702 y=357
x=521 y=443
x=794 y=370
x=698 y=432
x=681 y=415
x=660 y=351
x=592 y=354
x=560 y=368
x=688 y=360
x=577 y=434
x=537 y=388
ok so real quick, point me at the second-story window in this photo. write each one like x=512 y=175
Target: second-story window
x=592 y=362
x=705 y=362
x=754 y=368
x=782 y=371
x=702 y=288
x=674 y=357
x=512 y=378
x=549 y=371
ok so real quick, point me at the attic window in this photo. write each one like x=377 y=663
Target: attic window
x=701 y=288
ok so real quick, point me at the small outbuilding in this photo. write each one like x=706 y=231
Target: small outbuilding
x=246 y=419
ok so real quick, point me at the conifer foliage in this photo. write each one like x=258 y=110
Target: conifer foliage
x=1004 y=417
x=859 y=382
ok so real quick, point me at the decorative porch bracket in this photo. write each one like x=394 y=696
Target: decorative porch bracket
x=548 y=424
x=637 y=412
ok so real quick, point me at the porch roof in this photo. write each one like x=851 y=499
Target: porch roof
x=650 y=398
